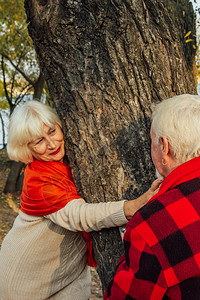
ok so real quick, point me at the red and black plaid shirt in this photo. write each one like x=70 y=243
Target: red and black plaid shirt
x=162 y=249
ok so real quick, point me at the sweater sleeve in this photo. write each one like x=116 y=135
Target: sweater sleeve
x=139 y=274
x=78 y=215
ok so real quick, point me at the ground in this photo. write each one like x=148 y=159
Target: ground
x=9 y=205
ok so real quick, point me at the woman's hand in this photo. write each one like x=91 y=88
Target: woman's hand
x=132 y=206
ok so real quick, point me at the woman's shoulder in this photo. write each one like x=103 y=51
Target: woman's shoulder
x=37 y=165
x=41 y=169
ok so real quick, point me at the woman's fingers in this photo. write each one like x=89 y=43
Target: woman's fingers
x=154 y=188
x=156 y=184
x=130 y=207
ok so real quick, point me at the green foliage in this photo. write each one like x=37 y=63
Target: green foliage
x=3 y=101
x=1 y=89
x=19 y=66
x=14 y=34
x=3 y=104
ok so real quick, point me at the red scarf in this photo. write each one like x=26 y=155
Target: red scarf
x=48 y=187
x=185 y=172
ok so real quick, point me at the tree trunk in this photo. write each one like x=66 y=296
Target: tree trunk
x=105 y=62
x=183 y=16
x=3 y=131
x=38 y=87
x=13 y=182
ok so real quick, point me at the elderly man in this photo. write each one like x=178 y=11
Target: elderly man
x=162 y=240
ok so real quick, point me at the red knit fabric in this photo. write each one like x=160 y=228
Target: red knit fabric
x=162 y=243
x=48 y=187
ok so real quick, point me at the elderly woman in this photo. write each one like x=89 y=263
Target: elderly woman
x=45 y=256
x=162 y=240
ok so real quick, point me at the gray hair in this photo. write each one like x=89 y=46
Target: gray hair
x=178 y=119
x=26 y=125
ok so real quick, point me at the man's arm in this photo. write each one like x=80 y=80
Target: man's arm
x=139 y=274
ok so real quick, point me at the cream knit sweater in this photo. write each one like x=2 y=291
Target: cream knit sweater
x=45 y=257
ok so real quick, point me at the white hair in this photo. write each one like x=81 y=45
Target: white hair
x=178 y=119
x=26 y=124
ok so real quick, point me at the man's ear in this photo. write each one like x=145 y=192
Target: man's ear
x=164 y=144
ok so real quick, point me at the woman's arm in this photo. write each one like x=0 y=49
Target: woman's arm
x=78 y=215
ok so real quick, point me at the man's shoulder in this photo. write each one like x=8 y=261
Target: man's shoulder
x=154 y=208
x=169 y=212
x=170 y=226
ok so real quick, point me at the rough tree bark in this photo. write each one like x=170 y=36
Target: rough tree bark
x=39 y=86
x=182 y=14
x=105 y=62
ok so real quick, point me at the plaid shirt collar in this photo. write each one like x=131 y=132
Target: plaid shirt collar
x=185 y=172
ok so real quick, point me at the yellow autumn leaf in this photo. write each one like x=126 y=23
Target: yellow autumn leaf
x=187 y=34
x=190 y=40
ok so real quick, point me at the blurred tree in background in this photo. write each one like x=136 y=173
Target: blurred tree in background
x=20 y=71
x=20 y=75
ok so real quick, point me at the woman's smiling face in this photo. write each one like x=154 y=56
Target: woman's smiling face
x=49 y=146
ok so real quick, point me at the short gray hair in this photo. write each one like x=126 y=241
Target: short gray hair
x=178 y=119
x=26 y=125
